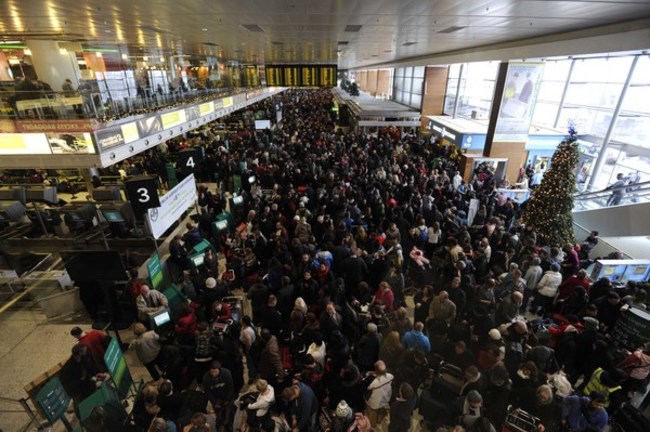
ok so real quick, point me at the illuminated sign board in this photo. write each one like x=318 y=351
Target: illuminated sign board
x=227 y=102
x=301 y=75
x=24 y=144
x=174 y=118
x=130 y=132
x=206 y=108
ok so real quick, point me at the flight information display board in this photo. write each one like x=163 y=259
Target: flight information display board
x=301 y=75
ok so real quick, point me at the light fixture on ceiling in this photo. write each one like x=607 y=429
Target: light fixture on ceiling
x=145 y=58
x=27 y=52
x=162 y=59
x=204 y=29
x=125 y=56
x=451 y=29
x=99 y=54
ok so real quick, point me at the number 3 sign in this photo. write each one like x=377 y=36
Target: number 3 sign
x=142 y=194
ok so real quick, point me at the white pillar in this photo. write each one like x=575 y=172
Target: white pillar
x=52 y=65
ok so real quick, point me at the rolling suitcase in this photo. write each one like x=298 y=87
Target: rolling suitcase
x=520 y=421
x=629 y=419
x=447 y=383
x=434 y=410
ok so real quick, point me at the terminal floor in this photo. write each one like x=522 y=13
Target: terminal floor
x=31 y=344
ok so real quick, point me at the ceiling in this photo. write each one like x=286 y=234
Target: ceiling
x=352 y=33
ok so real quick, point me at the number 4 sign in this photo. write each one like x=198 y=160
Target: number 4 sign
x=188 y=160
x=142 y=193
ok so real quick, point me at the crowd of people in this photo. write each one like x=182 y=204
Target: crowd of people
x=366 y=281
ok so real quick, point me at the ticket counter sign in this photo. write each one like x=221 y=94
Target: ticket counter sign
x=53 y=400
x=117 y=368
x=155 y=270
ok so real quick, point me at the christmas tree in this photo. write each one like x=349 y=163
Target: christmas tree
x=550 y=210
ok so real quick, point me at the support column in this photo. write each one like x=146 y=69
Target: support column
x=514 y=151
x=53 y=66
x=435 y=86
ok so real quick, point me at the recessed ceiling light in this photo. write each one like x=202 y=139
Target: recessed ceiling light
x=204 y=29
x=451 y=29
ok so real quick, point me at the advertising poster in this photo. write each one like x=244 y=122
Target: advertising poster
x=71 y=143
x=109 y=137
x=519 y=97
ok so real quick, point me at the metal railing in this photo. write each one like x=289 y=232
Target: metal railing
x=86 y=104
x=625 y=195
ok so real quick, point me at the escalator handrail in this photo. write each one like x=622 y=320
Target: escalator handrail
x=638 y=187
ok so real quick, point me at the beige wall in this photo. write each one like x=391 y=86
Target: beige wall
x=4 y=65
x=516 y=154
x=362 y=80
x=435 y=83
x=372 y=82
x=383 y=81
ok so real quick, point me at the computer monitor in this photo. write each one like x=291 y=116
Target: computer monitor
x=198 y=260
x=159 y=319
x=113 y=216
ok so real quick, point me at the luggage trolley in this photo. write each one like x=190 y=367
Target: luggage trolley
x=520 y=421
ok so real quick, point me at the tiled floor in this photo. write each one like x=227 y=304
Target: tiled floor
x=31 y=344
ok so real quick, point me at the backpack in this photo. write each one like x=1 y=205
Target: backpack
x=424 y=235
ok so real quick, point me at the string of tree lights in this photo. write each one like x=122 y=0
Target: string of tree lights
x=550 y=209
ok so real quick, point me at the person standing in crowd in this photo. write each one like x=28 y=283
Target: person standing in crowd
x=579 y=413
x=95 y=340
x=302 y=407
x=401 y=409
x=147 y=348
x=380 y=391
x=218 y=386
x=617 y=189
x=150 y=301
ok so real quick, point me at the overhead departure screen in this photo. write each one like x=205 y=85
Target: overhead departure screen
x=301 y=75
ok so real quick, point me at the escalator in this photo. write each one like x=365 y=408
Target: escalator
x=620 y=215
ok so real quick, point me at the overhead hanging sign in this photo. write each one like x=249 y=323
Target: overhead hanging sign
x=172 y=206
x=53 y=125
